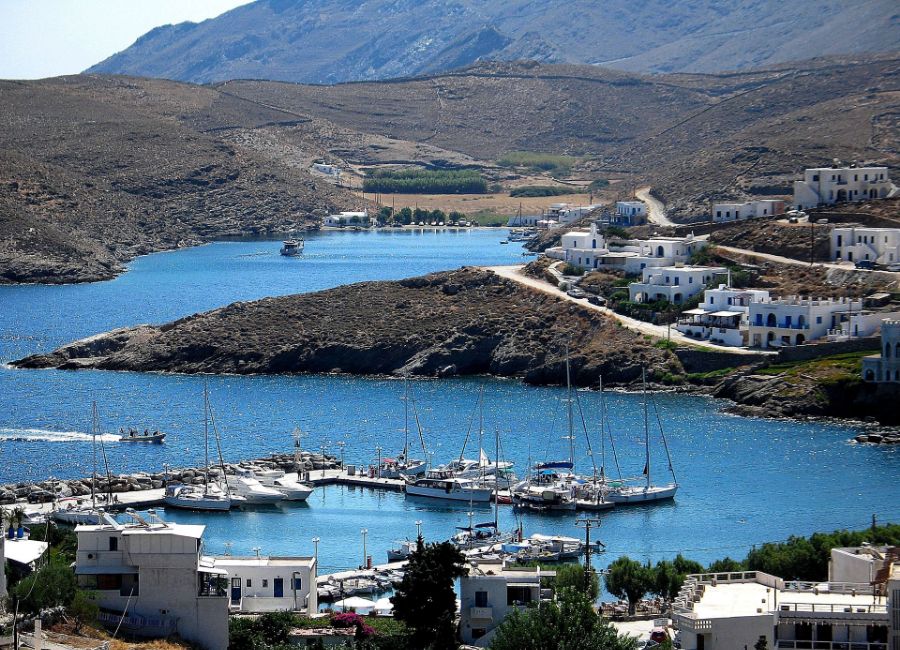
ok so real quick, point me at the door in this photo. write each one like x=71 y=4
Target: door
x=235 y=590
x=279 y=587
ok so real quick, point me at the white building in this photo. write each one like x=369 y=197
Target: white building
x=674 y=284
x=270 y=584
x=723 y=316
x=828 y=185
x=724 y=212
x=347 y=219
x=885 y=367
x=631 y=209
x=796 y=320
x=490 y=591
x=158 y=572
x=589 y=249
x=730 y=611
x=2 y=567
x=856 y=244
x=857 y=563
x=563 y=213
x=328 y=170
x=526 y=221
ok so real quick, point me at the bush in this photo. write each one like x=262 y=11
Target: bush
x=424 y=181
x=599 y=184
x=538 y=162
x=542 y=190
x=572 y=269
x=53 y=585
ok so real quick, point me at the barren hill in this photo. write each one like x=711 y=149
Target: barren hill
x=335 y=40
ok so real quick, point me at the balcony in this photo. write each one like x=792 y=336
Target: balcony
x=862 y=610
x=830 y=645
x=481 y=613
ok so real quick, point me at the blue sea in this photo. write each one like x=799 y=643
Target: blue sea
x=743 y=481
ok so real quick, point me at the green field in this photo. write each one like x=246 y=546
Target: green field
x=425 y=181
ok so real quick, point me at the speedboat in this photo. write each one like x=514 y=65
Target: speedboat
x=399 y=468
x=401 y=551
x=194 y=497
x=74 y=512
x=132 y=435
x=292 y=247
x=465 y=468
x=292 y=489
x=245 y=485
x=443 y=485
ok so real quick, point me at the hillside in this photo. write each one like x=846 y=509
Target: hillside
x=333 y=40
x=460 y=322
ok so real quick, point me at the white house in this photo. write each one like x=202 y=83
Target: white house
x=526 y=221
x=270 y=584
x=328 y=170
x=727 y=611
x=857 y=244
x=347 y=219
x=590 y=249
x=885 y=367
x=724 y=212
x=490 y=591
x=155 y=573
x=796 y=320
x=857 y=563
x=563 y=213
x=631 y=209
x=828 y=185
x=723 y=316
x=673 y=283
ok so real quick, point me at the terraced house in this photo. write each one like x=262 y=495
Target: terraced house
x=829 y=185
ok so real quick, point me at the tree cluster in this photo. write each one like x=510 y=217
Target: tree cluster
x=425 y=181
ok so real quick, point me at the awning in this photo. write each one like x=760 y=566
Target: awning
x=725 y=314
x=25 y=551
x=214 y=570
x=97 y=570
x=694 y=312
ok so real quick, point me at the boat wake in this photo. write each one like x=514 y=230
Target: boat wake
x=45 y=435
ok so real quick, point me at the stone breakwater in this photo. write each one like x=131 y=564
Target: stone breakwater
x=880 y=436
x=50 y=489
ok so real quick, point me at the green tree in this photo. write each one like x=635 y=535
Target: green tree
x=568 y=623
x=425 y=599
x=574 y=576
x=53 y=585
x=725 y=565
x=761 y=644
x=405 y=216
x=438 y=216
x=629 y=579
x=84 y=609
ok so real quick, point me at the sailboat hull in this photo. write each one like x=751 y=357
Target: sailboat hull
x=478 y=495
x=642 y=494
x=199 y=503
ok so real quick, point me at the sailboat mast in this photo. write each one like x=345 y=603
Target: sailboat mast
x=602 y=432
x=94 y=450
x=497 y=480
x=406 y=419
x=206 y=433
x=646 y=426
x=571 y=422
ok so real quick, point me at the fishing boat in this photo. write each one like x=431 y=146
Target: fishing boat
x=443 y=485
x=401 y=550
x=403 y=466
x=211 y=496
x=292 y=247
x=133 y=435
x=648 y=492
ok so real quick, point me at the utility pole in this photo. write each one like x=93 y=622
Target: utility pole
x=587 y=523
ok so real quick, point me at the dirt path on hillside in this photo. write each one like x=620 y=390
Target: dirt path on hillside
x=656 y=209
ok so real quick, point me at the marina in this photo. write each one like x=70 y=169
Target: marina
x=730 y=468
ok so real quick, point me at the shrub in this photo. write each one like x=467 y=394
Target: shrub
x=542 y=190
x=425 y=181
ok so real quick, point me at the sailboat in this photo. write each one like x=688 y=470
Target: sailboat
x=194 y=497
x=648 y=492
x=403 y=465
x=72 y=511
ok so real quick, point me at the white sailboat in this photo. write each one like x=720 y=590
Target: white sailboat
x=73 y=511
x=648 y=492
x=403 y=466
x=209 y=496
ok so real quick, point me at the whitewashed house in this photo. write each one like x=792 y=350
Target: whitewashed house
x=674 y=284
x=633 y=209
x=723 y=317
x=885 y=367
x=155 y=573
x=343 y=219
x=725 y=212
x=270 y=584
x=795 y=320
x=491 y=591
x=829 y=185
x=563 y=213
x=857 y=244
x=328 y=170
x=728 y=611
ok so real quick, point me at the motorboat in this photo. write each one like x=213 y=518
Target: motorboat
x=483 y=467
x=194 y=497
x=291 y=488
x=548 y=488
x=75 y=512
x=479 y=536
x=133 y=435
x=244 y=484
x=402 y=550
x=443 y=485
x=292 y=247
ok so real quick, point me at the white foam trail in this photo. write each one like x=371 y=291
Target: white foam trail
x=45 y=435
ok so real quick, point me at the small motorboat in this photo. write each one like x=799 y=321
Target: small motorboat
x=292 y=247
x=133 y=435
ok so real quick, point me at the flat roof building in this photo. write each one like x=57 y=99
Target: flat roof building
x=270 y=584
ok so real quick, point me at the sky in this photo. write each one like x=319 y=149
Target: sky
x=47 y=38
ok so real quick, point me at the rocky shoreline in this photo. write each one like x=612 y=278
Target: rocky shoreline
x=34 y=492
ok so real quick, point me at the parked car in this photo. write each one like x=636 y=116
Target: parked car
x=893 y=267
x=865 y=264
x=575 y=292
x=40 y=496
x=659 y=635
x=596 y=300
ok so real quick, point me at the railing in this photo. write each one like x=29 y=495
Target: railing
x=830 y=608
x=829 y=587
x=830 y=645
x=482 y=613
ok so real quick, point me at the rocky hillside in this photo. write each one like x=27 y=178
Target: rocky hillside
x=331 y=40
x=94 y=171
x=460 y=322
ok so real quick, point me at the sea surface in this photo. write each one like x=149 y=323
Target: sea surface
x=743 y=481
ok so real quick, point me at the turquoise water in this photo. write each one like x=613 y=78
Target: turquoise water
x=744 y=481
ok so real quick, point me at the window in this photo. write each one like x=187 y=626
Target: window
x=815 y=177
x=249 y=583
x=518 y=595
x=481 y=599
x=265 y=583
x=478 y=632
x=113 y=543
x=690 y=280
x=298 y=584
x=818 y=320
x=109 y=581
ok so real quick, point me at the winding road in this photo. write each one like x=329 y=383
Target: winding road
x=656 y=209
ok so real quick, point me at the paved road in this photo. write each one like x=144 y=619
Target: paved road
x=656 y=209
x=657 y=331
x=842 y=266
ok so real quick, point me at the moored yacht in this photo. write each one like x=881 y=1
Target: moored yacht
x=292 y=489
x=244 y=484
x=195 y=497
x=443 y=485
x=292 y=247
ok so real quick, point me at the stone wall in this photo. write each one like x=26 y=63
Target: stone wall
x=693 y=360
x=815 y=350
